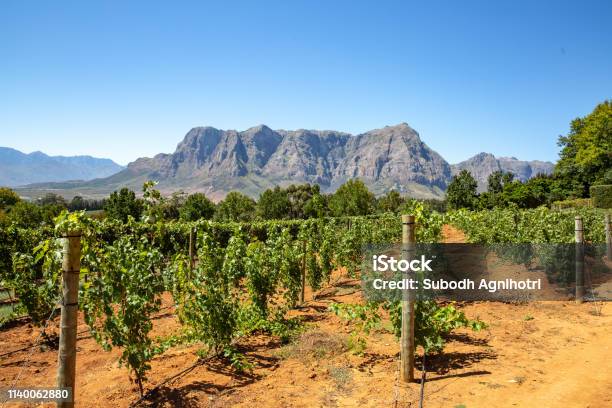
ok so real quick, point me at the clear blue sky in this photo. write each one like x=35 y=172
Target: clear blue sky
x=129 y=79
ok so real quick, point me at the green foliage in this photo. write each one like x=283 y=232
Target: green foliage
x=585 y=152
x=504 y=192
x=461 y=192
x=601 y=196
x=285 y=258
x=262 y=274
x=352 y=199
x=208 y=298
x=573 y=203
x=79 y=203
x=52 y=199
x=432 y=323
x=497 y=180
x=250 y=320
x=273 y=204
x=429 y=223
x=235 y=207
x=129 y=265
x=306 y=201
x=123 y=293
x=538 y=225
x=123 y=204
x=25 y=215
x=8 y=198
x=316 y=207
x=196 y=207
x=364 y=318
x=36 y=280
x=390 y=202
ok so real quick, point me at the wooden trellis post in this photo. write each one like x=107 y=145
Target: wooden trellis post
x=407 y=338
x=608 y=226
x=71 y=269
x=192 y=245
x=579 y=238
x=303 y=277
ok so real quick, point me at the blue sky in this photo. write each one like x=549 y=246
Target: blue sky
x=129 y=79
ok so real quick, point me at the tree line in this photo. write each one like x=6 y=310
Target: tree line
x=585 y=160
x=302 y=201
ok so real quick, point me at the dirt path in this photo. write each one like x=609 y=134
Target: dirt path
x=452 y=235
x=542 y=354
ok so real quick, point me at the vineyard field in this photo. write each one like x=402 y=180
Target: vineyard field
x=228 y=327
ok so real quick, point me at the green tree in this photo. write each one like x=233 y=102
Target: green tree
x=8 y=198
x=26 y=215
x=52 y=199
x=352 y=198
x=122 y=204
x=390 y=202
x=586 y=152
x=236 y=207
x=316 y=206
x=197 y=206
x=461 y=192
x=494 y=182
x=273 y=204
x=299 y=196
x=173 y=205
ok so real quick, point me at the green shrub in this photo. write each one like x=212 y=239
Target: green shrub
x=575 y=203
x=602 y=196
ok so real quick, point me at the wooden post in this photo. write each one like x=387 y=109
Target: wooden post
x=407 y=338
x=71 y=268
x=579 y=237
x=192 y=245
x=303 y=291
x=608 y=237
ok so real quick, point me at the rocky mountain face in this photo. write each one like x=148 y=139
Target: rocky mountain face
x=17 y=168
x=218 y=161
x=483 y=164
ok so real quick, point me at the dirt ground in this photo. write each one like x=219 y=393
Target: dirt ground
x=541 y=354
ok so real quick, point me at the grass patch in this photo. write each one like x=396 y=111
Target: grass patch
x=342 y=376
x=315 y=345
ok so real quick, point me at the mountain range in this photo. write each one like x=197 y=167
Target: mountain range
x=17 y=168
x=483 y=164
x=217 y=161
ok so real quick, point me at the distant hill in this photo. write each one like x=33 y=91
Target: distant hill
x=483 y=164
x=18 y=169
x=215 y=162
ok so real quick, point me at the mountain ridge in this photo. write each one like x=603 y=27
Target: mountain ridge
x=216 y=161
x=259 y=157
x=483 y=164
x=18 y=168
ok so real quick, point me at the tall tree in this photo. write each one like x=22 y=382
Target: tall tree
x=52 y=199
x=390 y=202
x=461 y=192
x=273 y=204
x=299 y=196
x=236 y=207
x=586 y=152
x=8 y=198
x=197 y=206
x=352 y=198
x=122 y=204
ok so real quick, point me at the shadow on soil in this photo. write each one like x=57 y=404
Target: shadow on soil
x=445 y=362
x=187 y=395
